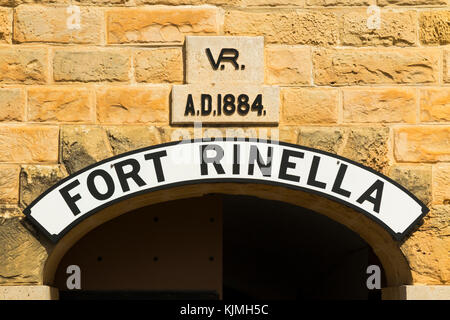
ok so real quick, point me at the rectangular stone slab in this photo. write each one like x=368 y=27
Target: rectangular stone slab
x=262 y=106
x=217 y=65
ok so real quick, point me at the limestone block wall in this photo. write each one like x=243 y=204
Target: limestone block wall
x=75 y=92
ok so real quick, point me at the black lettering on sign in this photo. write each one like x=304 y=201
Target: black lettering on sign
x=70 y=200
x=93 y=188
x=133 y=174
x=206 y=105
x=313 y=173
x=189 y=106
x=338 y=182
x=286 y=164
x=367 y=196
x=229 y=55
x=156 y=157
x=204 y=159
x=266 y=168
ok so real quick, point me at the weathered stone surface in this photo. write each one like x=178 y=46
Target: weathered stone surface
x=231 y=112
x=441 y=184
x=416 y=179
x=190 y=2
x=82 y=146
x=24 y=65
x=23 y=256
x=435 y=27
x=5 y=25
x=133 y=105
x=369 y=146
x=15 y=3
x=162 y=65
x=12 y=104
x=37 y=23
x=435 y=104
x=380 y=105
x=306 y=105
x=91 y=65
x=271 y=3
x=411 y=2
x=375 y=66
x=60 y=104
x=427 y=246
x=30 y=144
x=327 y=3
x=250 y=62
x=288 y=65
x=160 y=24
x=34 y=180
x=396 y=28
x=123 y=139
x=10 y=210
x=9 y=183
x=446 y=70
x=326 y=139
x=422 y=144
x=287 y=26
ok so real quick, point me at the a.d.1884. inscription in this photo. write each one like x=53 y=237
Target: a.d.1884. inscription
x=223 y=104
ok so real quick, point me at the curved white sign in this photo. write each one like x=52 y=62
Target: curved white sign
x=95 y=187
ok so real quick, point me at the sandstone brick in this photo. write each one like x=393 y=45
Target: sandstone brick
x=160 y=24
x=426 y=247
x=271 y=3
x=35 y=180
x=422 y=144
x=28 y=144
x=23 y=254
x=288 y=66
x=123 y=139
x=380 y=105
x=435 y=104
x=416 y=179
x=10 y=210
x=446 y=70
x=190 y=2
x=330 y=139
x=133 y=105
x=91 y=65
x=12 y=104
x=327 y=3
x=5 y=25
x=9 y=183
x=396 y=28
x=286 y=26
x=369 y=146
x=441 y=184
x=375 y=66
x=306 y=105
x=435 y=27
x=159 y=65
x=60 y=104
x=24 y=65
x=82 y=146
x=38 y=23
x=411 y=2
x=15 y=3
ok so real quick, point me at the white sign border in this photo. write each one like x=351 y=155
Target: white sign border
x=56 y=238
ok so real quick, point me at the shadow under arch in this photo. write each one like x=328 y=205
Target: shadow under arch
x=387 y=249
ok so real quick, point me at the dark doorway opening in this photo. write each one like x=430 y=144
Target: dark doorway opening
x=220 y=247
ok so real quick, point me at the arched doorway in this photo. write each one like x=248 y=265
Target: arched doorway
x=220 y=246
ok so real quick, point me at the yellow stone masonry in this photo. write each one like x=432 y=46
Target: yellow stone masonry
x=71 y=96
